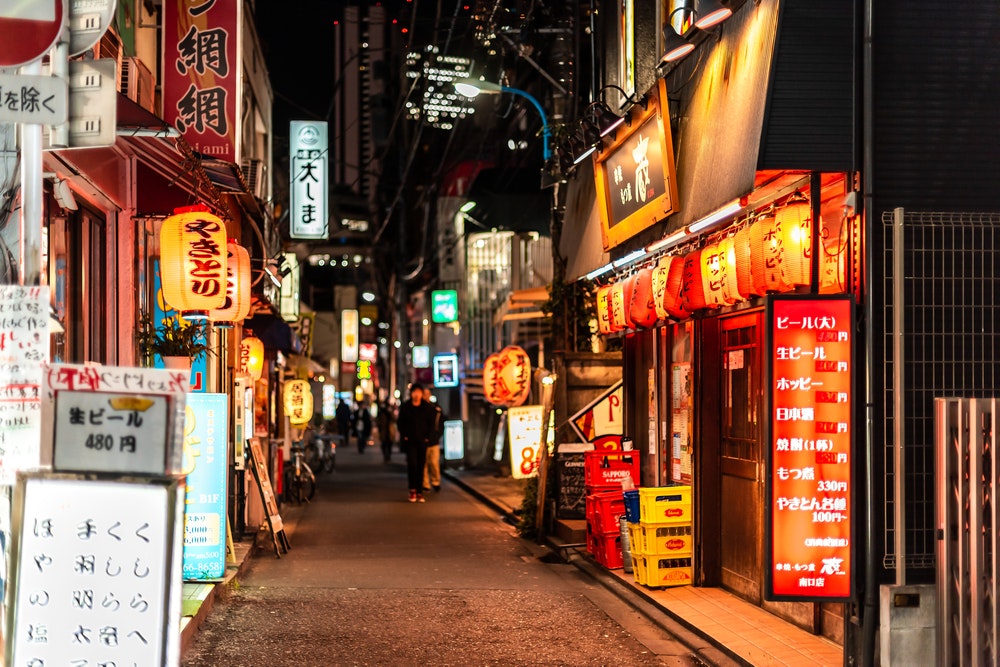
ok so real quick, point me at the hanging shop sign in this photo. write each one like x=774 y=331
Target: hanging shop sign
x=368 y=352
x=349 y=336
x=421 y=356
x=24 y=348
x=810 y=515
x=453 y=440
x=507 y=377
x=603 y=309
x=202 y=75
x=794 y=229
x=290 y=283
x=600 y=421
x=445 y=370
x=236 y=306
x=298 y=401
x=309 y=159
x=303 y=328
x=193 y=261
x=635 y=178
x=524 y=425
x=444 y=306
x=206 y=450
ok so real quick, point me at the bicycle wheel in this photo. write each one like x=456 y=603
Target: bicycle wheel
x=291 y=487
x=307 y=482
x=313 y=455
x=329 y=462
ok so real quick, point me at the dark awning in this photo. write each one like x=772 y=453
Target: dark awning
x=274 y=332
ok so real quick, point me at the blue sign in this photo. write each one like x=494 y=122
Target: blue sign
x=162 y=311
x=205 y=450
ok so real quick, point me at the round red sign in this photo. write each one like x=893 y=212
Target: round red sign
x=28 y=30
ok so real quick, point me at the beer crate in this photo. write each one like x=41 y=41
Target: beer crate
x=665 y=539
x=605 y=470
x=665 y=504
x=662 y=571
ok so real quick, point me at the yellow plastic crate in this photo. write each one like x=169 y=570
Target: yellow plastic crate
x=665 y=504
x=666 y=539
x=635 y=539
x=660 y=572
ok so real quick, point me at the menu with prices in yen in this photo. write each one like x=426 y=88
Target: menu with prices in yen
x=810 y=440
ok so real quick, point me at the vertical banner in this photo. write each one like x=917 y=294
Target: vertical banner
x=24 y=347
x=810 y=514
x=290 y=283
x=205 y=450
x=525 y=426
x=201 y=74
x=349 y=336
x=454 y=440
x=308 y=157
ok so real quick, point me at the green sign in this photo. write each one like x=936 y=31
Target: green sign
x=444 y=305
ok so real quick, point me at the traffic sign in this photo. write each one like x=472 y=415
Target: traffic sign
x=88 y=21
x=29 y=30
x=40 y=100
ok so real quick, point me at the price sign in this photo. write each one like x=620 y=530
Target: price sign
x=525 y=424
x=810 y=441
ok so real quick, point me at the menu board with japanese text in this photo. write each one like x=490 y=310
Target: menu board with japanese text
x=810 y=446
x=94 y=573
x=525 y=430
x=206 y=449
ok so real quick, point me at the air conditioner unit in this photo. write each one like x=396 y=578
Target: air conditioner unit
x=136 y=82
x=109 y=46
x=255 y=174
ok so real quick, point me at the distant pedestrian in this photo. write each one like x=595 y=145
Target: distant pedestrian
x=343 y=417
x=384 y=422
x=432 y=469
x=416 y=432
x=363 y=426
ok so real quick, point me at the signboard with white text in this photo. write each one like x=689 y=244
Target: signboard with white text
x=309 y=159
x=524 y=424
x=349 y=346
x=206 y=450
x=600 y=421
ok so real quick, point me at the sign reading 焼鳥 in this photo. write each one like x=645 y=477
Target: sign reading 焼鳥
x=810 y=513
x=201 y=73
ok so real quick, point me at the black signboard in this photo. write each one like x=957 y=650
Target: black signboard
x=571 y=499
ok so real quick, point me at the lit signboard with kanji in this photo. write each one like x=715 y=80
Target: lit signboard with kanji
x=444 y=306
x=308 y=148
x=810 y=514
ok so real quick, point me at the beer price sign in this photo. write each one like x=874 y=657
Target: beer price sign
x=810 y=514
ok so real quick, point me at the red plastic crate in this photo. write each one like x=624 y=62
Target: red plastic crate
x=606 y=469
x=603 y=510
x=609 y=551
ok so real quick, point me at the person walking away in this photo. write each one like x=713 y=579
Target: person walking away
x=343 y=417
x=363 y=424
x=384 y=422
x=432 y=469
x=416 y=432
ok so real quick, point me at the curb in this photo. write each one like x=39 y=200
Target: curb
x=498 y=506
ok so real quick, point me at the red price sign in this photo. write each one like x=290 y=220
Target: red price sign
x=810 y=387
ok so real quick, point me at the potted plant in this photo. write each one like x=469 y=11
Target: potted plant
x=175 y=340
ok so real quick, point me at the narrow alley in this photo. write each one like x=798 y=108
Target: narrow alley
x=372 y=579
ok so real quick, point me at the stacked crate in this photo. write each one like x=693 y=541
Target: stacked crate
x=604 y=472
x=663 y=540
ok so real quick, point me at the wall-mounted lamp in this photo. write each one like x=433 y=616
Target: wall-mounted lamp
x=711 y=13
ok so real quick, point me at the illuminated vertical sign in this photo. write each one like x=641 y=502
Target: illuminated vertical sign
x=206 y=464
x=349 y=336
x=810 y=515
x=308 y=157
x=525 y=432
x=290 y=304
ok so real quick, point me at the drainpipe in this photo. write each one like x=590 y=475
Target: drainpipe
x=870 y=610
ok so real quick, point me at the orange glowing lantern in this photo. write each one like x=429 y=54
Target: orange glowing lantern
x=618 y=321
x=507 y=377
x=658 y=285
x=628 y=290
x=833 y=271
x=642 y=308
x=713 y=276
x=193 y=262
x=794 y=221
x=693 y=295
x=252 y=357
x=237 y=305
x=727 y=252
x=765 y=256
x=298 y=402
x=673 y=297
x=603 y=310
x=741 y=257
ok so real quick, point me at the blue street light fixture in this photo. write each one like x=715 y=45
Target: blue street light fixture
x=473 y=87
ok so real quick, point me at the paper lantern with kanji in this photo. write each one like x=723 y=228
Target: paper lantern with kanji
x=673 y=296
x=658 y=285
x=727 y=253
x=507 y=377
x=603 y=310
x=765 y=256
x=618 y=321
x=628 y=290
x=794 y=223
x=693 y=295
x=237 y=305
x=193 y=262
x=713 y=276
x=641 y=308
x=833 y=270
x=298 y=402
x=252 y=357
x=741 y=258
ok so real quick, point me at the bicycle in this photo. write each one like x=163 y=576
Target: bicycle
x=300 y=482
x=323 y=447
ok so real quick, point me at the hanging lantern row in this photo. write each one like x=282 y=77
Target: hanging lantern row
x=772 y=254
x=507 y=377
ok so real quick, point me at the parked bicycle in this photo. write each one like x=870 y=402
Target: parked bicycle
x=321 y=455
x=300 y=482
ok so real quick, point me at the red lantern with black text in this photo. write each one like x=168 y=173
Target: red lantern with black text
x=673 y=297
x=507 y=377
x=794 y=222
x=642 y=309
x=628 y=290
x=694 y=286
x=237 y=305
x=603 y=310
x=193 y=262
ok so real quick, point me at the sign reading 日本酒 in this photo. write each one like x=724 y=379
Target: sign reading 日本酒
x=810 y=444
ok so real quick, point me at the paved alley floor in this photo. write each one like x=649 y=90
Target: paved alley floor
x=372 y=579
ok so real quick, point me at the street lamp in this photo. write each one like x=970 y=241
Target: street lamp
x=472 y=87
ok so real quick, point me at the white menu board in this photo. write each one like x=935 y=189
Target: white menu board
x=95 y=563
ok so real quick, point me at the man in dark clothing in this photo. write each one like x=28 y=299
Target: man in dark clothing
x=343 y=415
x=363 y=425
x=416 y=425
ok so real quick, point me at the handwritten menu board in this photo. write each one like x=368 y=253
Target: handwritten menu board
x=94 y=570
x=525 y=429
x=810 y=387
x=571 y=502
x=24 y=347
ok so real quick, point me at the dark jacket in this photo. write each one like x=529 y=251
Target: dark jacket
x=438 y=424
x=417 y=424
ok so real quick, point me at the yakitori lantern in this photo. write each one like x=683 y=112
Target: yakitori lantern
x=741 y=254
x=507 y=377
x=642 y=308
x=193 y=262
x=765 y=256
x=693 y=295
x=252 y=357
x=237 y=305
x=603 y=310
x=628 y=290
x=298 y=402
x=673 y=297
x=727 y=255
x=794 y=221
x=713 y=276
x=618 y=321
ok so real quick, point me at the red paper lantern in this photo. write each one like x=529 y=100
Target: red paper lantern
x=713 y=276
x=694 y=286
x=618 y=321
x=603 y=310
x=794 y=222
x=765 y=256
x=673 y=298
x=741 y=251
x=507 y=377
x=628 y=290
x=658 y=285
x=833 y=270
x=641 y=308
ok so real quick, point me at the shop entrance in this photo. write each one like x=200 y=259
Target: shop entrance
x=741 y=457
